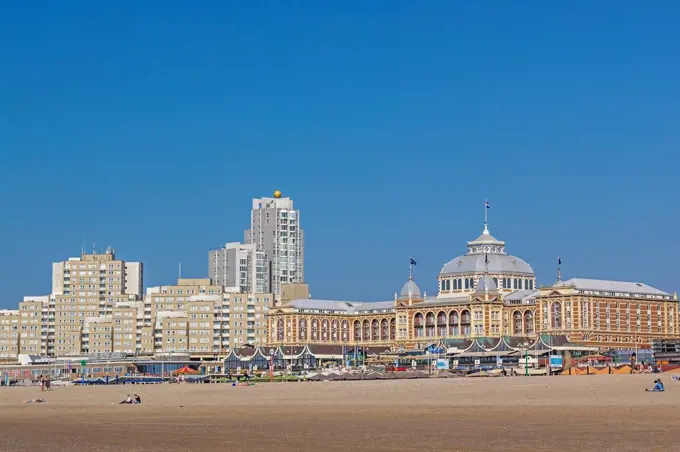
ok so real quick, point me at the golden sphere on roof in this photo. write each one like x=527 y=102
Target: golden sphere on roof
x=277 y=194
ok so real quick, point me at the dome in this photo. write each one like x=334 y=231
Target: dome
x=498 y=264
x=487 y=247
x=486 y=284
x=410 y=290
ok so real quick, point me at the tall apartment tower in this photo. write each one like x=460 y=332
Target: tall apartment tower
x=237 y=267
x=276 y=232
x=84 y=287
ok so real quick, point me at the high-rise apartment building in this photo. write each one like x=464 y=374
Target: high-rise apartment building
x=276 y=231
x=199 y=317
x=9 y=333
x=85 y=287
x=36 y=330
x=237 y=267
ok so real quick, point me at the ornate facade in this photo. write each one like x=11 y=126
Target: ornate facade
x=484 y=293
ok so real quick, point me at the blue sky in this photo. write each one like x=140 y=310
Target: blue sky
x=150 y=128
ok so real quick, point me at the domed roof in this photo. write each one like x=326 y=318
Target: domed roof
x=410 y=290
x=498 y=263
x=482 y=248
x=486 y=284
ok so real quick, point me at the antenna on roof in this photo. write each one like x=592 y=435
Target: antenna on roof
x=179 y=274
x=94 y=250
x=82 y=245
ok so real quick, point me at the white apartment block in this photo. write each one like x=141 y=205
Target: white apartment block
x=238 y=268
x=276 y=231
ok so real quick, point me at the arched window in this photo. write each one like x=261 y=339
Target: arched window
x=366 y=327
x=442 y=323
x=324 y=330
x=315 y=329
x=448 y=284
x=454 y=319
x=528 y=322
x=334 y=330
x=279 y=330
x=418 y=325
x=429 y=324
x=393 y=329
x=557 y=315
x=465 y=319
x=375 y=330
x=302 y=329
x=495 y=281
x=517 y=323
x=345 y=331
x=357 y=331
x=467 y=283
x=443 y=285
x=531 y=284
x=384 y=330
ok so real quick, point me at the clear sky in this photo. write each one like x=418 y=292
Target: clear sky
x=151 y=127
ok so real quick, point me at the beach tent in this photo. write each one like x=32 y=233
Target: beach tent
x=186 y=370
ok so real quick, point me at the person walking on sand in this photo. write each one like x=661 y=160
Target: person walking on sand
x=42 y=383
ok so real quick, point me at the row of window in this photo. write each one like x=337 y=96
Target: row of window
x=471 y=283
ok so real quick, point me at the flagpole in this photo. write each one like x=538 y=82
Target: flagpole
x=486 y=214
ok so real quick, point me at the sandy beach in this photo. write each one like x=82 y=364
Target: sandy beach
x=538 y=413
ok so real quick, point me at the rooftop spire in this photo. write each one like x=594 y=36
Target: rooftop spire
x=559 y=270
x=487 y=206
x=411 y=264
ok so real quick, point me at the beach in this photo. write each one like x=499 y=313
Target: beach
x=611 y=412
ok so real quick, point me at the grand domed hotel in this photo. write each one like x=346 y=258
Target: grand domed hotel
x=485 y=295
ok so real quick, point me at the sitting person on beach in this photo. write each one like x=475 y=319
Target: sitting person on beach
x=127 y=400
x=34 y=401
x=658 y=386
x=138 y=399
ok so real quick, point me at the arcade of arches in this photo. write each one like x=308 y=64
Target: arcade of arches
x=594 y=321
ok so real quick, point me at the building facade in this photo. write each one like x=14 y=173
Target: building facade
x=275 y=230
x=485 y=293
x=10 y=328
x=85 y=287
x=199 y=317
x=239 y=268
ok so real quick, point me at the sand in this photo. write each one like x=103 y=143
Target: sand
x=609 y=412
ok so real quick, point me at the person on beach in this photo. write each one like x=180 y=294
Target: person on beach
x=138 y=399
x=128 y=400
x=42 y=383
x=48 y=383
x=658 y=386
x=34 y=401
